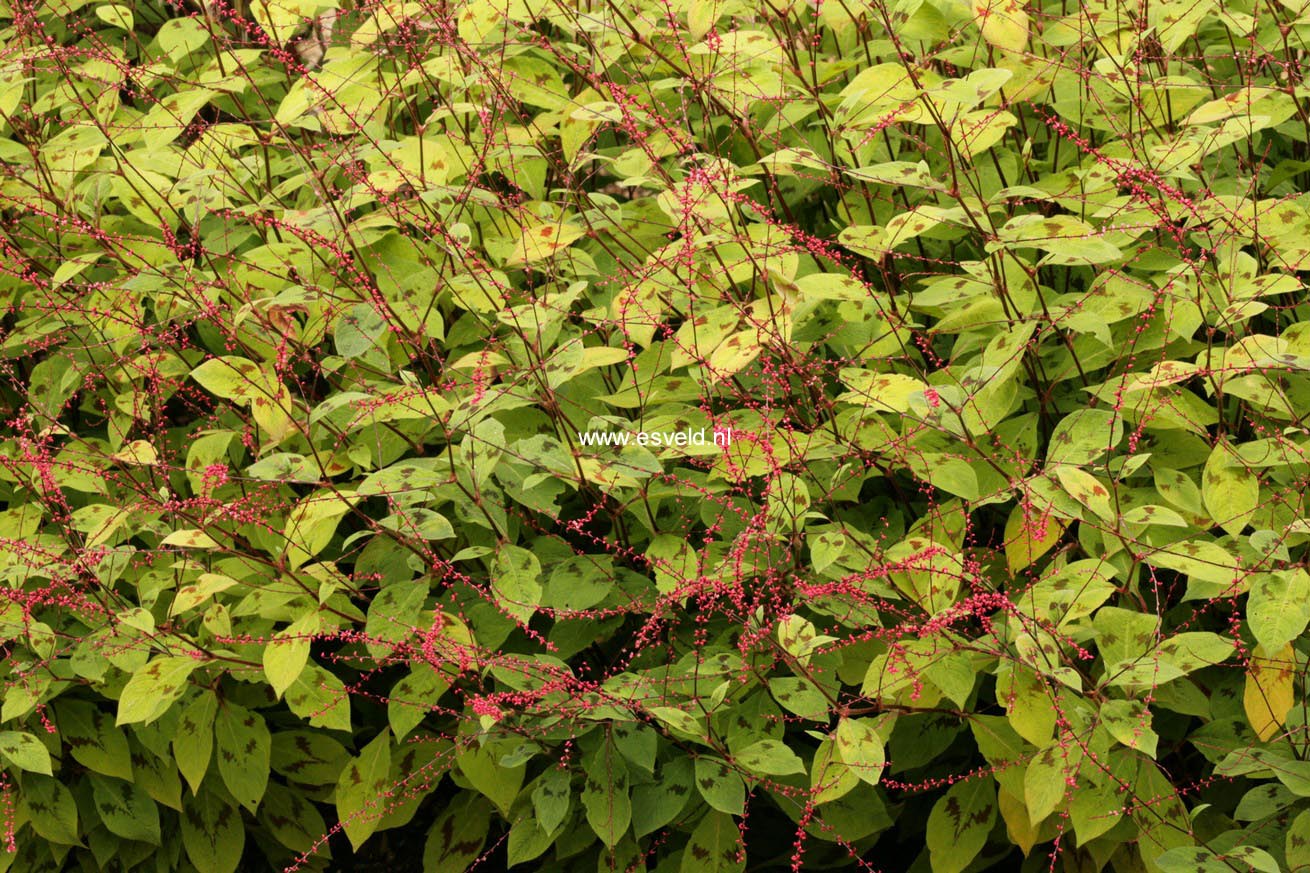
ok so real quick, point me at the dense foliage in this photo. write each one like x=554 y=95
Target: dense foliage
x=312 y=557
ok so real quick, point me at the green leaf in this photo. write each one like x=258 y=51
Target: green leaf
x=770 y=758
x=1084 y=436
x=232 y=378
x=1231 y=491
x=154 y=688
x=720 y=785
x=413 y=697
x=93 y=740
x=1123 y=634
x=293 y=821
x=25 y=752
x=179 y=37
x=193 y=741
x=486 y=774
x=362 y=789
x=287 y=653
x=358 y=330
x=831 y=778
x=166 y=119
x=551 y=798
x=212 y=833
x=457 y=835
x=528 y=840
x=656 y=804
x=319 y=696
x=578 y=584
x=125 y=809
x=308 y=757
x=199 y=592
x=1044 y=783
x=1297 y=842
x=393 y=616
x=116 y=15
x=959 y=824
x=799 y=696
x=714 y=847
x=1278 y=608
x=243 y=753
x=516 y=582
x=49 y=806
x=605 y=794
x=312 y=522
x=1195 y=859
x=979 y=130
x=1094 y=810
x=861 y=748
x=1129 y=722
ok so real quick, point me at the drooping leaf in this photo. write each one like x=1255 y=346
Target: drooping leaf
x=25 y=752
x=362 y=789
x=243 y=742
x=50 y=808
x=606 y=795
x=1278 y=608
x=93 y=740
x=125 y=809
x=1269 y=692
x=154 y=688
x=212 y=832
x=457 y=836
x=715 y=846
x=959 y=823
x=1231 y=491
x=861 y=748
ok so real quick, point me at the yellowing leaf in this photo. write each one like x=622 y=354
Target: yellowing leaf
x=981 y=129
x=198 y=592
x=287 y=653
x=1004 y=23
x=116 y=15
x=280 y=19
x=137 y=452
x=190 y=538
x=830 y=777
x=1084 y=487
x=312 y=522
x=881 y=392
x=231 y=378
x=1017 y=824
x=1230 y=489
x=1068 y=240
x=734 y=353
x=272 y=414
x=1269 y=690
x=1241 y=102
x=1029 y=536
x=25 y=751
x=540 y=241
x=385 y=19
x=861 y=748
x=153 y=689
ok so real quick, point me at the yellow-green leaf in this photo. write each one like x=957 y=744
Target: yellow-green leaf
x=1269 y=692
